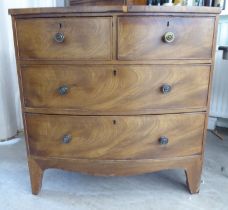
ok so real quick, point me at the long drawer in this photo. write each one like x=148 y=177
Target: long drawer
x=75 y=38
x=165 y=37
x=125 y=89
x=115 y=137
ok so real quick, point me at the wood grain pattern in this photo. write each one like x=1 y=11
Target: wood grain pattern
x=140 y=38
x=116 y=62
x=106 y=2
x=140 y=112
x=92 y=42
x=122 y=167
x=128 y=89
x=67 y=11
x=36 y=175
x=137 y=2
x=193 y=174
x=115 y=137
x=96 y=2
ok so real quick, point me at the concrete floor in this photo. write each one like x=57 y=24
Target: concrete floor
x=67 y=191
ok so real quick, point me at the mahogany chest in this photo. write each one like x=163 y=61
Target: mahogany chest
x=114 y=90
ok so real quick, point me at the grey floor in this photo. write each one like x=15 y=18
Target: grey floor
x=66 y=190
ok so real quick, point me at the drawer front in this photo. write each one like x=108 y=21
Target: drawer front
x=143 y=38
x=116 y=89
x=115 y=137
x=85 y=38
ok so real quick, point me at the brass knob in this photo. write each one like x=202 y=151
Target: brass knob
x=59 y=37
x=169 y=37
x=163 y=140
x=66 y=139
x=63 y=90
x=166 y=88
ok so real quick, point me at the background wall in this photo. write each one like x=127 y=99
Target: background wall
x=219 y=97
x=10 y=111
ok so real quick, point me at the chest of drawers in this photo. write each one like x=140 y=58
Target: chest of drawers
x=114 y=90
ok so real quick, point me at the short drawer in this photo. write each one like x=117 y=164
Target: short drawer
x=150 y=37
x=115 y=137
x=78 y=38
x=127 y=89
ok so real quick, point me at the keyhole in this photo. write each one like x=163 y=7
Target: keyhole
x=168 y=24
x=114 y=122
x=114 y=72
x=60 y=25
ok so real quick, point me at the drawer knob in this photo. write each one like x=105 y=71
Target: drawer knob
x=225 y=52
x=163 y=140
x=63 y=90
x=66 y=139
x=59 y=37
x=169 y=37
x=166 y=88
